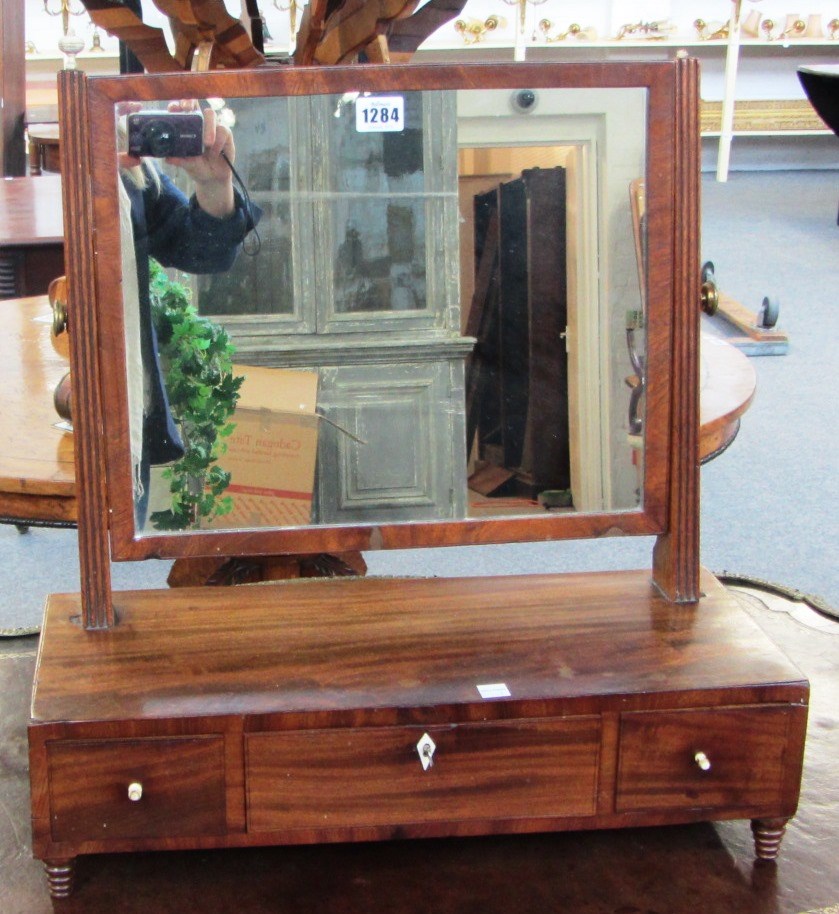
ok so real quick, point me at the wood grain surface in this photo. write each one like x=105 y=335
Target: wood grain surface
x=291 y=777
x=37 y=476
x=31 y=209
x=364 y=651
x=308 y=699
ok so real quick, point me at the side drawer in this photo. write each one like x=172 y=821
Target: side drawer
x=356 y=777
x=181 y=783
x=731 y=757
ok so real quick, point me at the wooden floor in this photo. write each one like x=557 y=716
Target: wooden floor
x=695 y=869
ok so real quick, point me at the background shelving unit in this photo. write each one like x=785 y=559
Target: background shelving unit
x=769 y=112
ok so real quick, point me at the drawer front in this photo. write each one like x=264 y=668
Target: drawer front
x=732 y=757
x=181 y=787
x=357 y=777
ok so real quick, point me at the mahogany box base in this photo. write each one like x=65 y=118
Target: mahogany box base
x=363 y=709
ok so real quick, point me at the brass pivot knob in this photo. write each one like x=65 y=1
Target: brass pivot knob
x=135 y=791
x=57 y=294
x=709 y=295
x=709 y=298
x=702 y=761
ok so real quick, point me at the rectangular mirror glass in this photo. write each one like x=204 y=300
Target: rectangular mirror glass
x=450 y=322
x=439 y=316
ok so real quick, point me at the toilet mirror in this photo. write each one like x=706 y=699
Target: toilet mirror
x=444 y=327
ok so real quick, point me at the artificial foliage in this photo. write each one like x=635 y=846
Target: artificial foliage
x=196 y=357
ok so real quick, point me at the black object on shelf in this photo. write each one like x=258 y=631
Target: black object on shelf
x=821 y=85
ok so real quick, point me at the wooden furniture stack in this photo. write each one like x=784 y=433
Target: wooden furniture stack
x=31 y=235
x=362 y=709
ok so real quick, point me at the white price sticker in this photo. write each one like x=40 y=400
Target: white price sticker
x=380 y=114
x=494 y=690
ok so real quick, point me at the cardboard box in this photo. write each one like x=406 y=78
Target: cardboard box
x=272 y=451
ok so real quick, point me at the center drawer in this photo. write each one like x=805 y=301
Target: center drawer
x=375 y=776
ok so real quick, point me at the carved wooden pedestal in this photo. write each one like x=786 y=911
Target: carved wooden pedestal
x=366 y=709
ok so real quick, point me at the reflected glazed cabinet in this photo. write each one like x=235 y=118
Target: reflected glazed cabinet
x=364 y=265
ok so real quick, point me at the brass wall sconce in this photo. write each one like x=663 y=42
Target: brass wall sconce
x=833 y=29
x=65 y=11
x=293 y=8
x=712 y=31
x=574 y=31
x=794 y=27
x=473 y=30
x=652 y=31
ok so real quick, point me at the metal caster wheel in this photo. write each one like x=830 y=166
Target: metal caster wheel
x=768 y=314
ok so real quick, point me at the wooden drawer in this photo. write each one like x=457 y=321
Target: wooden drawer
x=659 y=765
x=357 y=777
x=182 y=781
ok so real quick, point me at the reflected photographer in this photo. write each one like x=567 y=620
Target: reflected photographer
x=198 y=234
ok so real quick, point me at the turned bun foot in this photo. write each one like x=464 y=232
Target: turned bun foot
x=768 y=834
x=60 y=875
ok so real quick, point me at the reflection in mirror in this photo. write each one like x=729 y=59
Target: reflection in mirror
x=429 y=322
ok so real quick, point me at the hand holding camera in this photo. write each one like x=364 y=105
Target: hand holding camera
x=196 y=142
x=162 y=134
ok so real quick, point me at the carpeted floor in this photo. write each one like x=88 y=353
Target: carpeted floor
x=768 y=503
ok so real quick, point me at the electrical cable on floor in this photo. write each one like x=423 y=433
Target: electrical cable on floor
x=789 y=593
x=20 y=632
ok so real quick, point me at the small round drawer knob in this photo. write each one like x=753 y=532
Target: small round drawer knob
x=702 y=760
x=135 y=791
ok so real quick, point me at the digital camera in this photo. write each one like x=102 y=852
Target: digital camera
x=166 y=134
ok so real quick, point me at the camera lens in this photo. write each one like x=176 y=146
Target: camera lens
x=159 y=138
x=524 y=100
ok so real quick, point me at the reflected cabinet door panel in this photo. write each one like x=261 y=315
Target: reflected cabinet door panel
x=271 y=138
x=387 y=218
x=381 y=208
x=392 y=448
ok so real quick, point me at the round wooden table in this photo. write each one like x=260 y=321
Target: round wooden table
x=727 y=383
x=44 y=149
x=37 y=476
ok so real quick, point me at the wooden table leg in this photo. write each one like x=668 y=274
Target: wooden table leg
x=768 y=834
x=60 y=874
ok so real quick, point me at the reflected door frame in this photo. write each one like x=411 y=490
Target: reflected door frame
x=604 y=132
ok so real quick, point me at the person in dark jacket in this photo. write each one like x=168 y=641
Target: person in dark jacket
x=200 y=234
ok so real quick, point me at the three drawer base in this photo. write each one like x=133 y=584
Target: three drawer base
x=373 y=709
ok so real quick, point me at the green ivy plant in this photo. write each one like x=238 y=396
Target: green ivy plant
x=196 y=357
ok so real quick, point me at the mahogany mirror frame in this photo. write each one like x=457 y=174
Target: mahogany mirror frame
x=670 y=503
